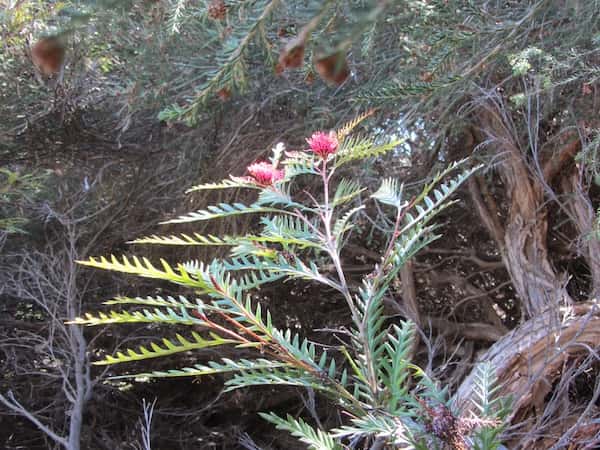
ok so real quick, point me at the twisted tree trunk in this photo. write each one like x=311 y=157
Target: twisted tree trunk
x=521 y=237
x=525 y=241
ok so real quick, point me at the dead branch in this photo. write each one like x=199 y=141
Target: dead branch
x=473 y=292
x=580 y=206
x=409 y=293
x=473 y=331
x=12 y=404
x=468 y=255
x=487 y=211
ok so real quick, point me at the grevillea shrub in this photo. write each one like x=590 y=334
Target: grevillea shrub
x=387 y=401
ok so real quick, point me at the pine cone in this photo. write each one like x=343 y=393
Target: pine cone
x=48 y=54
x=217 y=10
x=333 y=68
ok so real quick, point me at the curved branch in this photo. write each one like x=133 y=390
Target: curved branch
x=555 y=164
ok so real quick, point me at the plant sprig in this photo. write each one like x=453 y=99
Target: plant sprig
x=375 y=381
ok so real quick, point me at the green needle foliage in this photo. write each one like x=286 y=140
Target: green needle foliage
x=389 y=400
x=17 y=190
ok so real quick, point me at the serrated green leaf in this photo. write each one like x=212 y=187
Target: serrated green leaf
x=212 y=368
x=315 y=439
x=169 y=348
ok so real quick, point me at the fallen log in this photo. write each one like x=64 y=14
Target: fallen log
x=536 y=364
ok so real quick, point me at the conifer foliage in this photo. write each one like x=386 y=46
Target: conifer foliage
x=389 y=400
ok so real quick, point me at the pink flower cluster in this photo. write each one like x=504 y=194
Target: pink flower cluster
x=323 y=144
x=264 y=174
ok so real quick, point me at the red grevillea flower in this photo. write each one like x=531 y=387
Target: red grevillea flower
x=323 y=144
x=264 y=173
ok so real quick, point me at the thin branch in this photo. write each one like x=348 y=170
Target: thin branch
x=487 y=212
x=11 y=403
